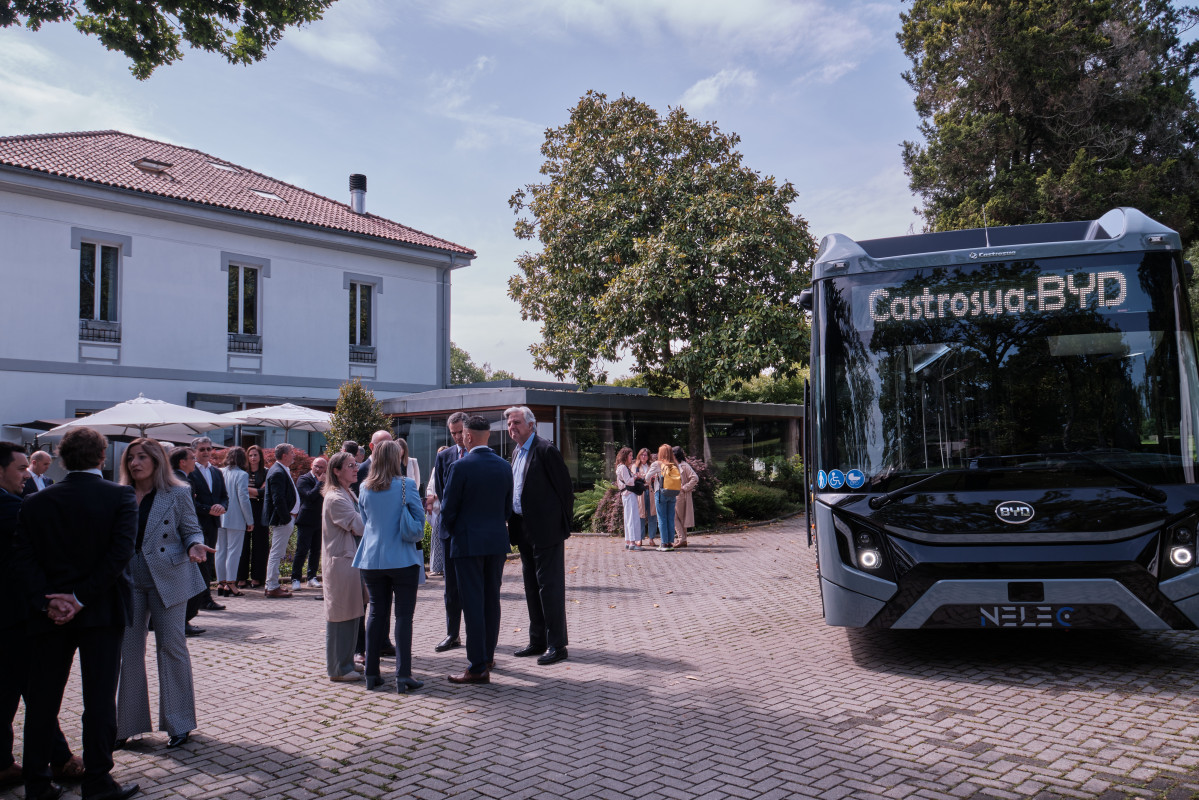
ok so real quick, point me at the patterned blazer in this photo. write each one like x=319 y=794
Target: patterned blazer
x=171 y=530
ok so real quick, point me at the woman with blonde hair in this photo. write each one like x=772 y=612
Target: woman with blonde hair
x=236 y=522
x=408 y=466
x=642 y=468
x=391 y=560
x=163 y=576
x=667 y=496
x=345 y=595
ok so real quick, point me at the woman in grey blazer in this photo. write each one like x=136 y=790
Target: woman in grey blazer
x=236 y=522
x=164 y=575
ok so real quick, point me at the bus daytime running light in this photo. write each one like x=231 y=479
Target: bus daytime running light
x=1182 y=556
x=870 y=559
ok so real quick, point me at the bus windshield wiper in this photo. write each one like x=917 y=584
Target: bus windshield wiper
x=1146 y=490
x=881 y=500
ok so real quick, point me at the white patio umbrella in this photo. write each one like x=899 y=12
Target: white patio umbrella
x=288 y=416
x=142 y=414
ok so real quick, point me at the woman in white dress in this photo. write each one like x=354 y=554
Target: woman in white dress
x=632 y=507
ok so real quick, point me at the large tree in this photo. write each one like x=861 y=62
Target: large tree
x=1047 y=110
x=463 y=368
x=658 y=242
x=150 y=32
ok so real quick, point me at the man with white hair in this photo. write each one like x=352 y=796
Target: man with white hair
x=37 y=478
x=365 y=467
x=542 y=502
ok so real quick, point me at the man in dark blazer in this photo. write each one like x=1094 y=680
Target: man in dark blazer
x=211 y=499
x=364 y=468
x=37 y=479
x=539 y=527
x=280 y=507
x=477 y=504
x=308 y=524
x=441 y=470
x=74 y=542
x=183 y=461
x=13 y=621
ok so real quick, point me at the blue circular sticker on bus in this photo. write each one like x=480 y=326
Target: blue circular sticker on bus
x=836 y=479
x=821 y=479
x=855 y=478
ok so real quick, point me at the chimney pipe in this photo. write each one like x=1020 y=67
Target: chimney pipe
x=358 y=193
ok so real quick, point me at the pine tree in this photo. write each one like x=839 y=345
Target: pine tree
x=357 y=416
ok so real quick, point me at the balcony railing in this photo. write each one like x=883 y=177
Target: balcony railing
x=362 y=355
x=245 y=343
x=94 y=330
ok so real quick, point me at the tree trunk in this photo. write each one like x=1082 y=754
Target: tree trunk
x=695 y=406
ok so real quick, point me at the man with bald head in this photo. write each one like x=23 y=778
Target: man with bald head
x=365 y=467
x=308 y=524
x=37 y=478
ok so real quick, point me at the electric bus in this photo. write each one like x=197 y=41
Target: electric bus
x=1001 y=428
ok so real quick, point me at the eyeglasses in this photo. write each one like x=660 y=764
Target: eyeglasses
x=203 y=449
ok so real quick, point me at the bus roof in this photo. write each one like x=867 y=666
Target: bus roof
x=1119 y=230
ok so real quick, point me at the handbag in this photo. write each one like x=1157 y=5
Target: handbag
x=638 y=486
x=411 y=528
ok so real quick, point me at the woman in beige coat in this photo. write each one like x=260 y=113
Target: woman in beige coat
x=345 y=597
x=684 y=510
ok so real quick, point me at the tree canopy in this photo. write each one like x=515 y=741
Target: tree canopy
x=656 y=240
x=150 y=33
x=1049 y=110
x=463 y=369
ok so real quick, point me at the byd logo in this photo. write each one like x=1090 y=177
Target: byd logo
x=1014 y=512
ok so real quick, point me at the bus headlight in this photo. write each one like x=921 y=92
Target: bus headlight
x=870 y=559
x=1182 y=556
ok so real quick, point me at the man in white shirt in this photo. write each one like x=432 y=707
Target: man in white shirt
x=37 y=479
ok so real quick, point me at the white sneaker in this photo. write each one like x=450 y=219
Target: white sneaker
x=295 y=586
x=313 y=583
x=347 y=678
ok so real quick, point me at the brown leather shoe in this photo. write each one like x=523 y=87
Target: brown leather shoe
x=69 y=770
x=470 y=677
x=278 y=591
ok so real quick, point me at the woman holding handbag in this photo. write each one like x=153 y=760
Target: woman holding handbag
x=391 y=559
x=625 y=482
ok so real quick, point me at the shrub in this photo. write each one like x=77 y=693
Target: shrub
x=738 y=469
x=786 y=474
x=609 y=514
x=428 y=542
x=707 y=512
x=752 y=500
x=585 y=505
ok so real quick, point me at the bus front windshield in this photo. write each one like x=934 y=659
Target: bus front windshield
x=1008 y=366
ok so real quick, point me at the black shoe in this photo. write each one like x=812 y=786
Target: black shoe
x=192 y=630
x=51 y=792
x=212 y=605
x=408 y=684
x=373 y=681
x=120 y=744
x=388 y=650
x=180 y=740
x=448 y=643
x=118 y=792
x=553 y=656
x=531 y=650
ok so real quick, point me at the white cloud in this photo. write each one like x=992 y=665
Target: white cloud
x=709 y=90
x=482 y=126
x=43 y=94
x=347 y=37
x=878 y=207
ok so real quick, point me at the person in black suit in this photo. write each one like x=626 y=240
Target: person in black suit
x=280 y=507
x=365 y=467
x=478 y=502
x=183 y=461
x=308 y=524
x=212 y=498
x=36 y=479
x=74 y=543
x=13 y=620
x=539 y=527
x=441 y=470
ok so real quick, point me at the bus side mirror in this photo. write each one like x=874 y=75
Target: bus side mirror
x=805 y=299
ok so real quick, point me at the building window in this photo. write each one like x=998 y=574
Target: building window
x=361 y=314
x=243 y=309
x=98 y=268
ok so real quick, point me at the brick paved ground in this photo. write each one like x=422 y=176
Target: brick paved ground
x=704 y=673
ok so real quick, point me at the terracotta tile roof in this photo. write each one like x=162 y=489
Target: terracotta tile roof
x=108 y=158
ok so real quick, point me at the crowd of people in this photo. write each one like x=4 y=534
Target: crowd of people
x=91 y=565
x=656 y=493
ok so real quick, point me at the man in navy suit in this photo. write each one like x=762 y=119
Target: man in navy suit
x=211 y=499
x=540 y=525
x=37 y=480
x=74 y=543
x=441 y=471
x=475 y=511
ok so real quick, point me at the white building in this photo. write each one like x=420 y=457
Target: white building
x=134 y=266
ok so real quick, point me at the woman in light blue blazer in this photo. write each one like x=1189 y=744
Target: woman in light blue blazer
x=391 y=559
x=236 y=522
x=163 y=575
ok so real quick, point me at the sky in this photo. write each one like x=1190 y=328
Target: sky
x=444 y=104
